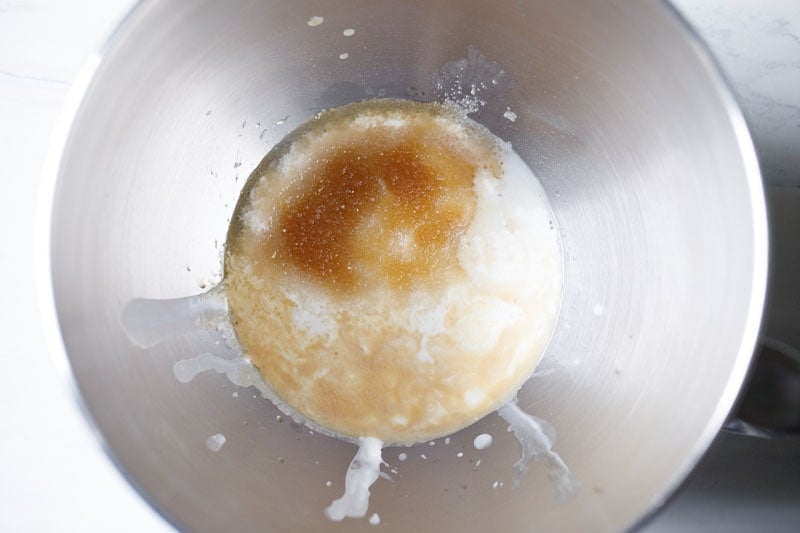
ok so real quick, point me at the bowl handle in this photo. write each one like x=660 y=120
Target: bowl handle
x=770 y=403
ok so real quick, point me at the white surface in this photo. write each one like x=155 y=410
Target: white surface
x=53 y=476
x=757 y=43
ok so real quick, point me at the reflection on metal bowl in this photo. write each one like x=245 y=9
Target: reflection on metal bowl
x=619 y=112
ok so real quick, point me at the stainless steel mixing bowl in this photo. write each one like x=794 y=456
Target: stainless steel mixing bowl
x=620 y=112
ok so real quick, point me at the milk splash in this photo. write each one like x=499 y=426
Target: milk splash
x=536 y=437
x=239 y=371
x=149 y=322
x=364 y=470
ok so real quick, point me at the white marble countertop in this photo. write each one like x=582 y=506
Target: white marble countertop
x=53 y=475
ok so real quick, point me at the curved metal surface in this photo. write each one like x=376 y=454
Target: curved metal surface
x=620 y=113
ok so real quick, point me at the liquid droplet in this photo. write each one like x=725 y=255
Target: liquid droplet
x=215 y=442
x=510 y=115
x=482 y=441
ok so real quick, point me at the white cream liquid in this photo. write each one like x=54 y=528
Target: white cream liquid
x=536 y=437
x=364 y=470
